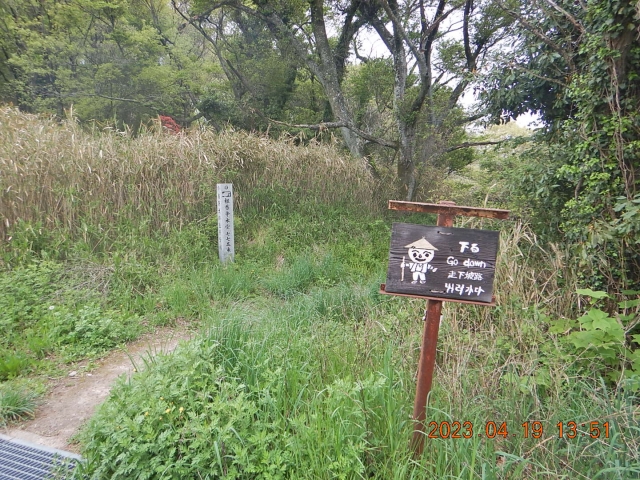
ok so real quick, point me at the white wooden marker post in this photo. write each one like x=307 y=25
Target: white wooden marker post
x=225 y=222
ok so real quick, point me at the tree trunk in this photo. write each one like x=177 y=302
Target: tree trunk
x=406 y=167
x=328 y=77
x=406 y=175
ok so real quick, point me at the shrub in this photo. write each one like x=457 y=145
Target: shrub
x=604 y=344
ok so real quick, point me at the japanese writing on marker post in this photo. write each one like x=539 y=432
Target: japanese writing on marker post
x=225 y=222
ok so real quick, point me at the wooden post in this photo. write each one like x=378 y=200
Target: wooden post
x=427 y=356
x=226 y=242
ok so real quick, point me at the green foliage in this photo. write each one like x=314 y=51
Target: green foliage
x=604 y=344
x=13 y=365
x=41 y=313
x=172 y=431
x=121 y=61
x=32 y=241
x=23 y=298
x=320 y=385
x=370 y=85
x=318 y=382
x=578 y=69
x=222 y=416
x=302 y=369
x=90 y=330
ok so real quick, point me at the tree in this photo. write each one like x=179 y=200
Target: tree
x=577 y=64
x=258 y=74
x=113 y=59
x=425 y=41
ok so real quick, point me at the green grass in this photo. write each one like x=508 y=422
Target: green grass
x=275 y=388
x=303 y=370
x=15 y=405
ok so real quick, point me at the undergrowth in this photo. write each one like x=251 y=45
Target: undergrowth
x=302 y=368
x=100 y=185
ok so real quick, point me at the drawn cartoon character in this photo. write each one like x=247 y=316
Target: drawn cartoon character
x=420 y=253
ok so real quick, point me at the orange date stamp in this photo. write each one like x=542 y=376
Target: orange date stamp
x=534 y=429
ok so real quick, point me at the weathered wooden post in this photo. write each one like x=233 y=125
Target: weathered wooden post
x=461 y=271
x=226 y=247
x=427 y=355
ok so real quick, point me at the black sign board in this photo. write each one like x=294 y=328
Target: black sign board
x=456 y=263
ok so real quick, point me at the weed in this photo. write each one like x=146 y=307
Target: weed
x=15 y=405
x=90 y=330
x=13 y=364
x=601 y=342
x=103 y=184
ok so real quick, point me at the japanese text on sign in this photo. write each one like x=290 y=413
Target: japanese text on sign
x=442 y=262
x=225 y=222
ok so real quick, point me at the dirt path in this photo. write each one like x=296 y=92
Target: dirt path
x=73 y=399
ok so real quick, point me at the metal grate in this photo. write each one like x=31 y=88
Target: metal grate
x=21 y=460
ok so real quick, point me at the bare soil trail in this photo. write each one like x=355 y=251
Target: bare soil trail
x=72 y=400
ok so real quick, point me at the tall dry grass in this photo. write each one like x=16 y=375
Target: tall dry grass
x=61 y=175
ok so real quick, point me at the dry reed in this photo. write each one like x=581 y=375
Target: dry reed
x=57 y=174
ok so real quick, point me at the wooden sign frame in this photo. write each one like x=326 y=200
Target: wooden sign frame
x=444 y=263
x=446 y=212
x=492 y=303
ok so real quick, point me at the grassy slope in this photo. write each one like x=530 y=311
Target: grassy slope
x=302 y=369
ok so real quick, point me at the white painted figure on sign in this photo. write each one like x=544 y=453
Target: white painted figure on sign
x=420 y=253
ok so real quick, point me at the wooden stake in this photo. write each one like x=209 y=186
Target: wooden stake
x=427 y=356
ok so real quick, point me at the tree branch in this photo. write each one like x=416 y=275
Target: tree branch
x=429 y=35
x=191 y=119
x=282 y=32
x=128 y=100
x=472 y=144
x=383 y=33
x=397 y=25
x=372 y=139
x=570 y=17
x=349 y=29
x=470 y=118
x=540 y=77
x=322 y=126
x=357 y=54
x=540 y=35
x=468 y=6
x=426 y=46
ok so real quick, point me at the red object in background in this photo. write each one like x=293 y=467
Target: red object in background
x=169 y=123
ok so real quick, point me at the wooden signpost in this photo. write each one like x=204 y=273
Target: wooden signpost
x=439 y=264
x=226 y=247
